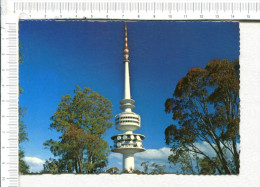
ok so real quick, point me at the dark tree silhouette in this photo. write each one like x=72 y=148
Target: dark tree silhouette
x=205 y=104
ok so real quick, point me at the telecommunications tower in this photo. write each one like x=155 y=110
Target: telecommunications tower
x=127 y=143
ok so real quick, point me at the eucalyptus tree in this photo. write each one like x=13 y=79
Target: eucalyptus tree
x=205 y=106
x=82 y=121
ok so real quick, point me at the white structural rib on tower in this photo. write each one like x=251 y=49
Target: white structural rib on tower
x=127 y=143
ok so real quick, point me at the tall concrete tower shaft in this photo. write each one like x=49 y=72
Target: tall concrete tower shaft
x=127 y=77
x=127 y=143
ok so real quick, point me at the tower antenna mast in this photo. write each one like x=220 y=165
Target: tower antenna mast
x=127 y=143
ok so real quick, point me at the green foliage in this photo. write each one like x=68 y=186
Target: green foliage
x=23 y=167
x=20 y=54
x=113 y=170
x=22 y=128
x=153 y=168
x=157 y=169
x=205 y=104
x=125 y=171
x=145 y=165
x=208 y=166
x=187 y=162
x=54 y=166
x=137 y=172
x=82 y=122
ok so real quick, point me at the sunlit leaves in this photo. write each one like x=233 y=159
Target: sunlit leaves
x=82 y=121
x=205 y=104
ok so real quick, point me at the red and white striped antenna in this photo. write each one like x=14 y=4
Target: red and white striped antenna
x=126 y=49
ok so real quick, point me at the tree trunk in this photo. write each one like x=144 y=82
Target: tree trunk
x=222 y=159
x=236 y=155
x=89 y=162
x=75 y=164
x=80 y=165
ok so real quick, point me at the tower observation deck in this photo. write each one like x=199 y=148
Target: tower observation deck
x=127 y=143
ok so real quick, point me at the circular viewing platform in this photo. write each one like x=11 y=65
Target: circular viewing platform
x=127 y=121
x=128 y=142
x=128 y=150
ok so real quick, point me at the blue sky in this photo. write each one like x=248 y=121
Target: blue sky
x=58 y=55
